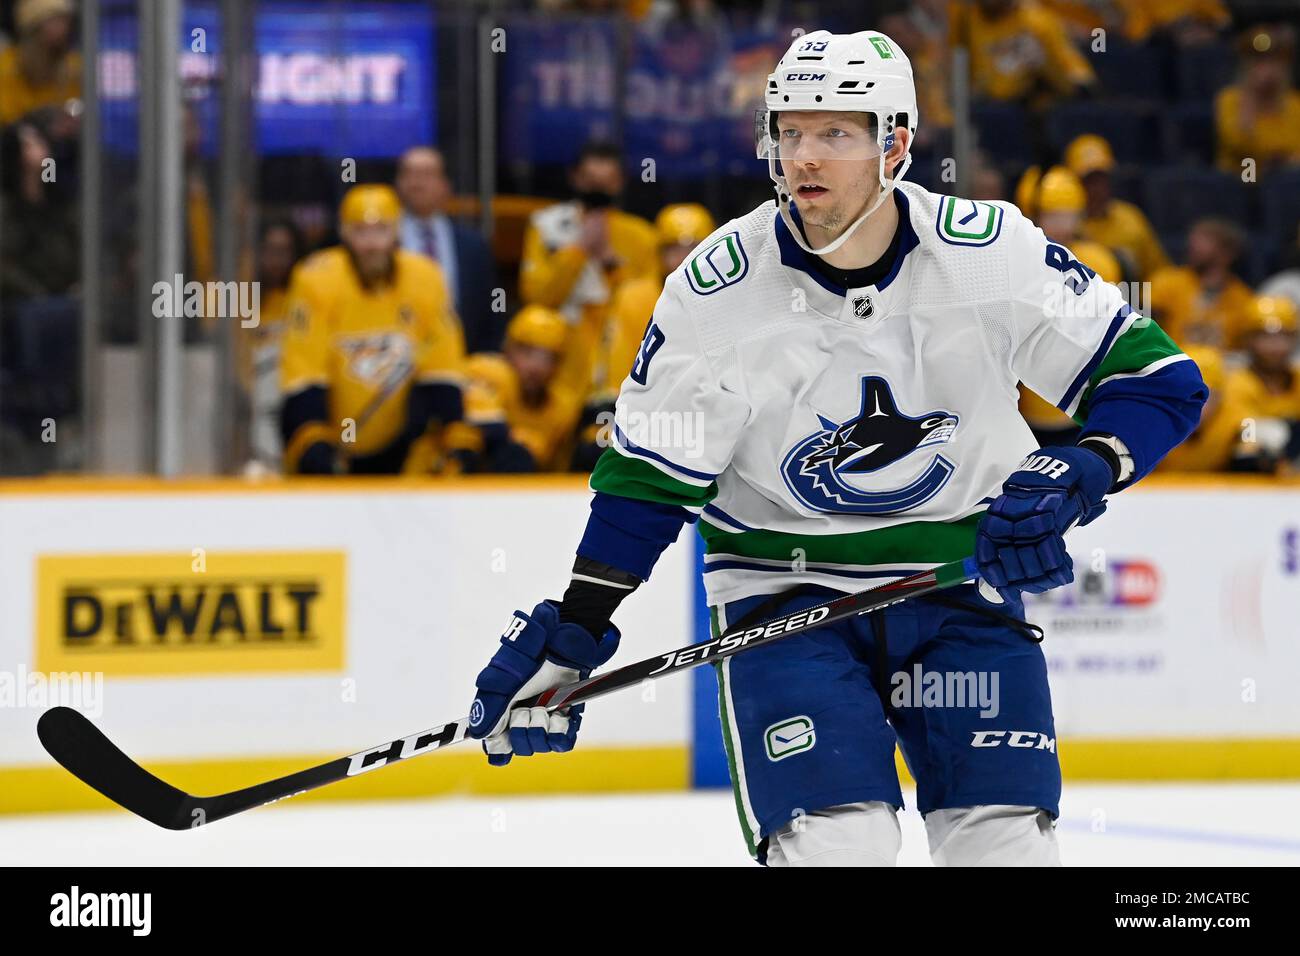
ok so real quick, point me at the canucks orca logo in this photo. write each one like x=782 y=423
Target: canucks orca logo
x=845 y=468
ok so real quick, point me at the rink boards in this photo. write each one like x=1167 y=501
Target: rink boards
x=223 y=632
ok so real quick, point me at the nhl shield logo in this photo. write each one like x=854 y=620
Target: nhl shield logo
x=863 y=307
x=872 y=463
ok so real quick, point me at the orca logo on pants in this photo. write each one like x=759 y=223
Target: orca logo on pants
x=789 y=737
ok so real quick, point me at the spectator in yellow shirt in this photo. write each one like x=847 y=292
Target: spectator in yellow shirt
x=1081 y=17
x=577 y=253
x=1188 y=21
x=1116 y=224
x=1019 y=51
x=679 y=229
x=41 y=69
x=517 y=418
x=1203 y=302
x=1266 y=393
x=1258 y=118
x=371 y=355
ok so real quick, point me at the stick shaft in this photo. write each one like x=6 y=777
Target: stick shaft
x=88 y=754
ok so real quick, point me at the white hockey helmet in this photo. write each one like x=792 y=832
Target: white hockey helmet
x=863 y=72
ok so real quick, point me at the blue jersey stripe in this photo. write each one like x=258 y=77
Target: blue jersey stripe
x=628 y=445
x=1097 y=358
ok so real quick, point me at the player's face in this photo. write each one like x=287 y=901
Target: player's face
x=1061 y=226
x=597 y=174
x=1268 y=74
x=831 y=162
x=535 y=366
x=275 y=257
x=422 y=182
x=55 y=34
x=372 y=245
x=1097 y=186
x=1204 y=250
x=1272 y=350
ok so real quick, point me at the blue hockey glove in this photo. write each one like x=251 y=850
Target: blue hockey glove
x=537 y=653
x=1020 y=543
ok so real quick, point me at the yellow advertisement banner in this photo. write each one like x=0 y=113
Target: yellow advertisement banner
x=200 y=613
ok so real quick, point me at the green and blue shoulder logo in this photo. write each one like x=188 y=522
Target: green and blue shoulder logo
x=968 y=222
x=721 y=263
x=789 y=737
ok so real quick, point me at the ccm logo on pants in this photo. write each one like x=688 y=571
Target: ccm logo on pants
x=1013 y=738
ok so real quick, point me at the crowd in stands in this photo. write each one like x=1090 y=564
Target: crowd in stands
x=371 y=332
x=40 y=255
x=1158 y=139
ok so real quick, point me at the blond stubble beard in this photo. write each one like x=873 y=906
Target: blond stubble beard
x=835 y=218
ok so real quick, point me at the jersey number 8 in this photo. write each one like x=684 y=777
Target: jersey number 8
x=1059 y=258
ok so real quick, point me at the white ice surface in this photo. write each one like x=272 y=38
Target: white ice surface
x=1111 y=825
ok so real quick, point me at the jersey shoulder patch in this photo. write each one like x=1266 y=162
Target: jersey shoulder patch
x=968 y=222
x=718 y=263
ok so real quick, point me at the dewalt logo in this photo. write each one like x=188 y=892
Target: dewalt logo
x=163 y=614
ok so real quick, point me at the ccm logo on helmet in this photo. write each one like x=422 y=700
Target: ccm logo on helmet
x=1046 y=464
x=1027 y=739
x=804 y=77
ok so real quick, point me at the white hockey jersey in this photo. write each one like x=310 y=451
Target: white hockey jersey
x=845 y=437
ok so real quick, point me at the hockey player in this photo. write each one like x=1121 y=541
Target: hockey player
x=851 y=354
x=372 y=354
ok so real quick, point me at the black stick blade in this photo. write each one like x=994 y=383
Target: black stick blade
x=83 y=750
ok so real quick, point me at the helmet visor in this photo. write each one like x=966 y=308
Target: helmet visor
x=820 y=137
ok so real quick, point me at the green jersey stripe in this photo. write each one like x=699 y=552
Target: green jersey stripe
x=916 y=542
x=731 y=743
x=1143 y=343
x=617 y=474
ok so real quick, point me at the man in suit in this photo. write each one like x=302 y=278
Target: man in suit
x=462 y=253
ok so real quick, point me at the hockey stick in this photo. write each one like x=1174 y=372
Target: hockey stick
x=83 y=750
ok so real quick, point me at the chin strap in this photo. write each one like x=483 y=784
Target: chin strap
x=783 y=200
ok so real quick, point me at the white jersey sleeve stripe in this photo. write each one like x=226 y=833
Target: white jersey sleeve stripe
x=1146 y=370
x=627 y=447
